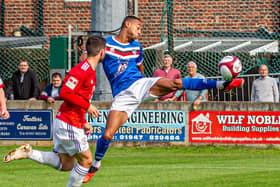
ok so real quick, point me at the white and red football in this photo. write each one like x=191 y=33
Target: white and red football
x=230 y=67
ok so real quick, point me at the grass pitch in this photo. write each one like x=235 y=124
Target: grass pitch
x=176 y=166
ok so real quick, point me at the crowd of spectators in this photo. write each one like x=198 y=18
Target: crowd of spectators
x=24 y=85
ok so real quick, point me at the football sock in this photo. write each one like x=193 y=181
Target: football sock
x=101 y=147
x=198 y=84
x=76 y=176
x=47 y=158
x=95 y=166
x=221 y=84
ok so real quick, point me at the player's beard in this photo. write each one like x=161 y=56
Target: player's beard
x=131 y=36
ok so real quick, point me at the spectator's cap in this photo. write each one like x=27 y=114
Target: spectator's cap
x=192 y=62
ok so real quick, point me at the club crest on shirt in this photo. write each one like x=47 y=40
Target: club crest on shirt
x=72 y=82
x=112 y=50
x=122 y=67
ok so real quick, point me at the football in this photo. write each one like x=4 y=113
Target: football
x=230 y=67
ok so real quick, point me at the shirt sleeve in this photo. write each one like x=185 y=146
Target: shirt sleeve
x=139 y=60
x=179 y=76
x=253 y=92
x=44 y=95
x=69 y=92
x=203 y=94
x=155 y=73
x=1 y=83
x=36 y=92
x=275 y=91
x=179 y=93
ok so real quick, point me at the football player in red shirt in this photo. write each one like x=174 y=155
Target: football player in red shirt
x=70 y=126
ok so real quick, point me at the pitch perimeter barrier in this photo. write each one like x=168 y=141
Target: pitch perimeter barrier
x=215 y=123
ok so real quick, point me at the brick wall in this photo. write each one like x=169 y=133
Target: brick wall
x=57 y=16
x=236 y=15
x=229 y=15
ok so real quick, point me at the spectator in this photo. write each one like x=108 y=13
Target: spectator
x=264 y=89
x=196 y=96
x=23 y=84
x=169 y=72
x=51 y=91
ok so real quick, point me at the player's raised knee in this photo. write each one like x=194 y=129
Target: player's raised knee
x=176 y=84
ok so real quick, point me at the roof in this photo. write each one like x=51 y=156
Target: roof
x=23 y=42
x=220 y=44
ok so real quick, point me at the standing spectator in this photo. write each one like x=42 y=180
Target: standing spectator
x=3 y=108
x=264 y=88
x=196 y=96
x=51 y=91
x=169 y=72
x=23 y=84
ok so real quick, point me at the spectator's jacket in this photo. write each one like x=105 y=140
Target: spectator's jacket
x=47 y=92
x=27 y=89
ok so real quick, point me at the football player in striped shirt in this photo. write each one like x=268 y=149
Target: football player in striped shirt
x=124 y=69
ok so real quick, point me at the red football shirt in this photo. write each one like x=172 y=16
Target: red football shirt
x=77 y=90
x=1 y=83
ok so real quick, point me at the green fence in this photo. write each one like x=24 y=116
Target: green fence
x=37 y=59
x=190 y=31
x=202 y=31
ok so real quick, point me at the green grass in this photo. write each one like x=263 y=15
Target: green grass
x=176 y=166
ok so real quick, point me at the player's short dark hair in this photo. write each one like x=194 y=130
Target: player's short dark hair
x=94 y=45
x=129 y=18
x=56 y=74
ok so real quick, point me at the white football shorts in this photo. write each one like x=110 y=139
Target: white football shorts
x=68 y=139
x=128 y=100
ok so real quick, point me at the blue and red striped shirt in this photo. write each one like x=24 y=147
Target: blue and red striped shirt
x=120 y=63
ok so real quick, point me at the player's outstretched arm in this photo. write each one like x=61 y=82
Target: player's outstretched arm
x=4 y=112
x=141 y=68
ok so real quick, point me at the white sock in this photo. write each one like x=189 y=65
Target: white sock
x=220 y=84
x=76 y=176
x=96 y=164
x=47 y=158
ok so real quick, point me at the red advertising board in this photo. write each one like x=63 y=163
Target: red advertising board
x=234 y=127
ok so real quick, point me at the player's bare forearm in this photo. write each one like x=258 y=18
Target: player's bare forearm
x=141 y=68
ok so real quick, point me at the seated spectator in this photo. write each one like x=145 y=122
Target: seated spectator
x=196 y=96
x=169 y=72
x=51 y=91
x=264 y=89
x=24 y=84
